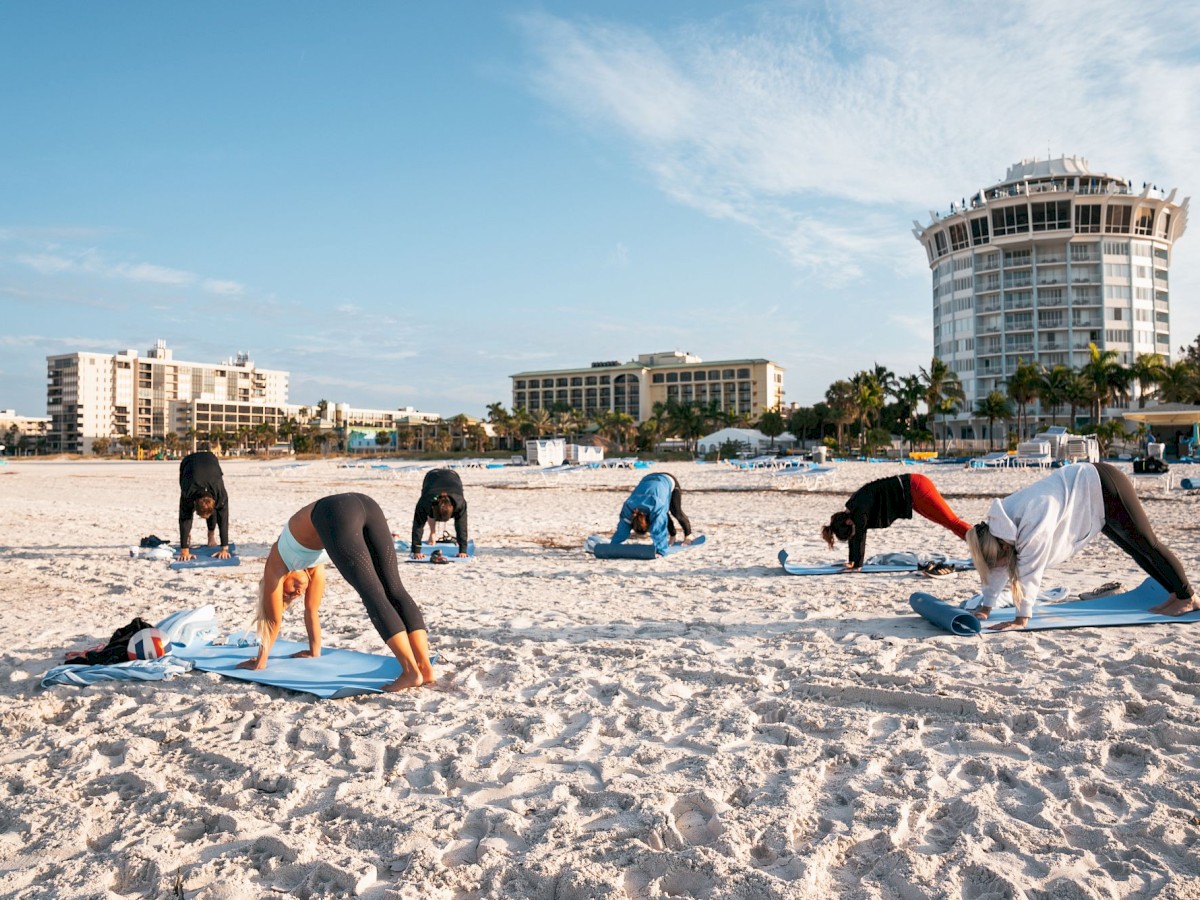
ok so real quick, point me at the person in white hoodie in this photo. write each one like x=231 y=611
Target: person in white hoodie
x=1052 y=519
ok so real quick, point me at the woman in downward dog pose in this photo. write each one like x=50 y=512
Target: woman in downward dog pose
x=877 y=504
x=349 y=531
x=1049 y=521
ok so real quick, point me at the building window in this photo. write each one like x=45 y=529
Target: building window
x=577 y=381
x=958 y=236
x=1052 y=216
x=714 y=375
x=561 y=382
x=698 y=376
x=1118 y=218
x=940 y=240
x=1087 y=218
x=520 y=385
x=547 y=382
x=979 y=230
x=589 y=380
x=743 y=373
x=685 y=376
x=672 y=378
x=1010 y=220
x=658 y=378
x=1145 y=221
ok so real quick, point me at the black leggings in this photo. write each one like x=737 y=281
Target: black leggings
x=676 y=510
x=359 y=543
x=1126 y=525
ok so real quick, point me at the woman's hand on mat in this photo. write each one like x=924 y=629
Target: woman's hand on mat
x=307 y=654
x=1016 y=624
x=185 y=554
x=223 y=553
x=461 y=553
x=418 y=555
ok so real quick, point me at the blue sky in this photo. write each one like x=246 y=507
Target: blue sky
x=405 y=203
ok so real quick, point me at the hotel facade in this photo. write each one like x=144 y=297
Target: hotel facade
x=1037 y=267
x=745 y=387
x=99 y=397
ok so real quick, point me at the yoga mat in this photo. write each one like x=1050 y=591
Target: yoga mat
x=335 y=673
x=1129 y=608
x=1190 y=484
x=954 y=619
x=449 y=550
x=837 y=568
x=603 y=549
x=203 y=558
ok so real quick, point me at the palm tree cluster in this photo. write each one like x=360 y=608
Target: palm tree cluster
x=687 y=422
x=874 y=404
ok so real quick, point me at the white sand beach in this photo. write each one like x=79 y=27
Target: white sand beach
x=702 y=725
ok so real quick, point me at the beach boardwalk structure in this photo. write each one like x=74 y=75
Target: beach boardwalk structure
x=551 y=452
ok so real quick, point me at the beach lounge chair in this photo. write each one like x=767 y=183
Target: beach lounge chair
x=998 y=459
x=1034 y=453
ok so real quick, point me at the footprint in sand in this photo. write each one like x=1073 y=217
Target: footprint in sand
x=695 y=818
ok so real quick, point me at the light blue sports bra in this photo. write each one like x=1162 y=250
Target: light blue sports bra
x=295 y=555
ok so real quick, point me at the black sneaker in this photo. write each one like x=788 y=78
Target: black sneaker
x=936 y=570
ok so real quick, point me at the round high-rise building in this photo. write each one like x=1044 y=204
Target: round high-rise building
x=1034 y=269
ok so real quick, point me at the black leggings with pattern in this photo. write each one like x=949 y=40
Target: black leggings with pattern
x=359 y=543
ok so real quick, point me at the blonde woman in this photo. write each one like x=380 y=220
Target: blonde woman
x=1052 y=519
x=349 y=531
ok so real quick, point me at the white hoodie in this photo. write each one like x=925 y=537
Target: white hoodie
x=1047 y=522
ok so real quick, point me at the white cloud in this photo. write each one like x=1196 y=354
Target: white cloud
x=223 y=288
x=825 y=127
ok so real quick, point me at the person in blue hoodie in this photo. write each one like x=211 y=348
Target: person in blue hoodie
x=650 y=509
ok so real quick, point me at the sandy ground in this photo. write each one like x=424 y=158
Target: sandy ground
x=698 y=726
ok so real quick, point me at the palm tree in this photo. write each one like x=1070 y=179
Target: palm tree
x=908 y=393
x=943 y=393
x=501 y=422
x=1105 y=378
x=1179 y=383
x=1147 y=370
x=840 y=398
x=771 y=424
x=992 y=407
x=1023 y=390
x=1052 y=389
x=541 y=422
x=868 y=399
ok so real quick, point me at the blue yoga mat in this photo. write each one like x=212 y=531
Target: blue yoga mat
x=449 y=550
x=203 y=558
x=835 y=568
x=335 y=673
x=1130 y=608
x=950 y=618
x=603 y=549
x=961 y=565
x=1190 y=484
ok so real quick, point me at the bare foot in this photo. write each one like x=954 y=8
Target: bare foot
x=428 y=675
x=1176 y=607
x=406 y=680
x=982 y=613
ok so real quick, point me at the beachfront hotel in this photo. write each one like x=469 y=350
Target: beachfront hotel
x=1033 y=269
x=745 y=387
x=97 y=396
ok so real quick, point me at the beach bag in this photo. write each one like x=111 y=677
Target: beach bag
x=115 y=651
x=1150 y=466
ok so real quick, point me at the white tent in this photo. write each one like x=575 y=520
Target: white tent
x=750 y=439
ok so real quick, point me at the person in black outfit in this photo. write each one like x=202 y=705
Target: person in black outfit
x=877 y=504
x=441 y=500
x=202 y=492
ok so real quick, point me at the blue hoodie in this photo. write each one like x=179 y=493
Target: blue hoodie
x=652 y=494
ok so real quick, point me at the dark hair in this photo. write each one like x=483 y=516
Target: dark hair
x=205 y=506
x=639 y=522
x=442 y=508
x=841 y=526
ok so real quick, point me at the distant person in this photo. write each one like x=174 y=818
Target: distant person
x=877 y=504
x=1051 y=520
x=349 y=531
x=649 y=510
x=202 y=493
x=441 y=500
